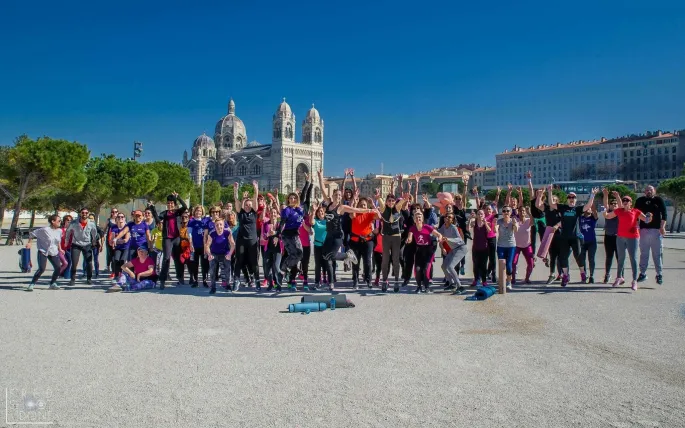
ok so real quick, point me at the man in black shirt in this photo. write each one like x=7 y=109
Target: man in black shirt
x=569 y=231
x=652 y=233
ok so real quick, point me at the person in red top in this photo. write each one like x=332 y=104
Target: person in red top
x=628 y=234
x=66 y=220
x=361 y=240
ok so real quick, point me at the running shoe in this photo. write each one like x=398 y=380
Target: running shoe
x=211 y=290
x=583 y=277
x=474 y=283
x=449 y=287
x=30 y=287
x=607 y=278
x=459 y=290
x=659 y=279
x=642 y=277
x=54 y=286
x=396 y=287
x=114 y=289
x=509 y=287
x=591 y=280
x=351 y=257
x=305 y=285
x=204 y=283
x=461 y=271
x=485 y=283
x=377 y=282
x=418 y=289
x=384 y=287
x=550 y=279
x=617 y=282
x=633 y=285
x=527 y=281
x=270 y=287
x=278 y=289
x=564 y=280
x=368 y=284
x=427 y=290
x=235 y=287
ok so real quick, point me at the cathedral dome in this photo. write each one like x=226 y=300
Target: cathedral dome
x=203 y=141
x=253 y=144
x=313 y=115
x=284 y=108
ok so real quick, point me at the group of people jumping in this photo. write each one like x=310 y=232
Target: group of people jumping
x=369 y=235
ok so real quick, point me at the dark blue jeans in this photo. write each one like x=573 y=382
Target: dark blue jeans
x=96 y=262
x=507 y=253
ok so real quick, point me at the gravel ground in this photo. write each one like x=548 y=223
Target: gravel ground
x=585 y=356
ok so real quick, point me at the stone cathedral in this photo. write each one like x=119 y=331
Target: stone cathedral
x=229 y=158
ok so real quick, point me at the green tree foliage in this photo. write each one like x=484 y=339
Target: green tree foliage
x=674 y=190
x=213 y=194
x=431 y=188
x=172 y=177
x=621 y=189
x=113 y=181
x=36 y=165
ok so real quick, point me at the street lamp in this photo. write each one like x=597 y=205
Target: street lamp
x=202 y=198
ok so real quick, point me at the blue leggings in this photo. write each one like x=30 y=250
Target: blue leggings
x=507 y=253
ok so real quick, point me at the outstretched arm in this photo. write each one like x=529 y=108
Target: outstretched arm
x=507 y=200
x=591 y=202
x=255 y=199
x=324 y=191
x=552 y=205
x=236 y=201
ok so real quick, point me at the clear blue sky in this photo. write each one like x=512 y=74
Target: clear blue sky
x=411 y=84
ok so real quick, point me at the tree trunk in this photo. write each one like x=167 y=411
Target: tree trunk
x=3 y=207
x=17 y=211
x=680 y=221
x=33 y=219
x=96 y=213
x=675 y=212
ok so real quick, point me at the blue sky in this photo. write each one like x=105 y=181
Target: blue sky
x=412 y=85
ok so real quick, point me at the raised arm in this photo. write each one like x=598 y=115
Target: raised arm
x=324 y=192
x=507 y=200
x=236 y=200
x=354 y=181
x=153 y=210
x=538 y=200
x=520 y=205
x=605 y=199
x=529 y=176
x=465 y=196
x=496 y=201
x=552 y=205
x=255 y=198
x=591 y=202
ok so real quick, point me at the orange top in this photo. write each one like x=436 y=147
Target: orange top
x=362 y=225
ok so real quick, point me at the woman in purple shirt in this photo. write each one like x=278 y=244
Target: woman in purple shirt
x=140 y=234
x=219 y=248
x=292 y=217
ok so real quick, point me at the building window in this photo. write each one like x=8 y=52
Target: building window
x=257 y=170
x=229 y=171
x=242 y=170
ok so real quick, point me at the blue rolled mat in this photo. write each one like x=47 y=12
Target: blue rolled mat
x=304 y=307
x=483 y=293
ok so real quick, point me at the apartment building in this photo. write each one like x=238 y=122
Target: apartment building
x=649 y=157
x=485 y=178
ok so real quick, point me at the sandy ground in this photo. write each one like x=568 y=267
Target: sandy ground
x=541 y=356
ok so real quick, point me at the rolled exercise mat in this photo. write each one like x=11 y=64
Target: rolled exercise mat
x=304 y=307
x=340 y=300
x=483 y=293
x=546 y=241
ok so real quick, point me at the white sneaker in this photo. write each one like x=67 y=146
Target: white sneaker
x=113 y=289
x=351 y=257
x=30 y=287
x=54 y=286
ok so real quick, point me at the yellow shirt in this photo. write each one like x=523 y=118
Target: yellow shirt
x=156 y=236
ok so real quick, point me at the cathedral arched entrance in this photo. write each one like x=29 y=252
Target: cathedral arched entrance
x=300 y=172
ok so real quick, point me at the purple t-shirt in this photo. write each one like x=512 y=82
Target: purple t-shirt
x=219 y=243
x=423 y=236
x=115 y=230
x=292 y=218
x=138 y=234
x=198 y=226
x=211 y=228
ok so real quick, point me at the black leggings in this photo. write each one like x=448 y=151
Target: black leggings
x=611 y=253
x=589 y=248
x=422 y=258
x=363 y=251
x=409 y=256
x=318 y=264
x=306 y=254
x=42 y=263
x=171 y=249
x=553 y=256
x=566 y=246
x=377 y=263
x=480 y=264
x=492 y=257
x=248 y=252
x=199 y=261
x=330 y=254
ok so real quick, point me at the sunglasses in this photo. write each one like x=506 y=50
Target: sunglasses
x=120 y=216
x=570 y=197
x=506 y=211
x=625 y=201
x=114 y=211
x=84 y=212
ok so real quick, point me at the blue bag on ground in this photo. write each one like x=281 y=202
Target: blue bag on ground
x=483 y=293
x=25 y=260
